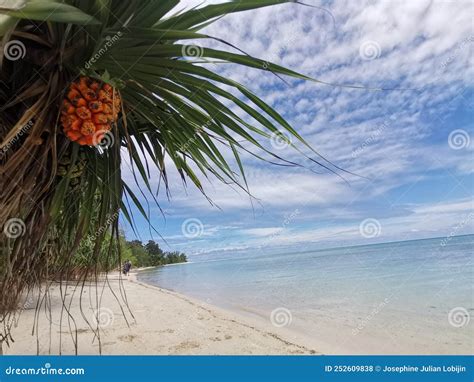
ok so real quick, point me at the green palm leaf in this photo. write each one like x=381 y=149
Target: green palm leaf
x=50 y=11
x=173 y=110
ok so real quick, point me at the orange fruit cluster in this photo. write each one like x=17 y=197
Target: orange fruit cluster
x=89 y=110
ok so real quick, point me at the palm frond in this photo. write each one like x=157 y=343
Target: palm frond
x=174 y=110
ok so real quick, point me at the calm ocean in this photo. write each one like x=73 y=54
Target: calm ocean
x=403 y=297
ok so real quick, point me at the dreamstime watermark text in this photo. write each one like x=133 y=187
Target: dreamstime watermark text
x=109 y=42
x=44 y=370
x=15 y=139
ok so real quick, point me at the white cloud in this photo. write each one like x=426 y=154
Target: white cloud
x=395 y=138
x=428 y=220
x=262 y=232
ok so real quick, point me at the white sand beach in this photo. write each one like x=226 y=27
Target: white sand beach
x=154 y=320
x=163 y=322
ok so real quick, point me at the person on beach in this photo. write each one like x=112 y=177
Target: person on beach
x=126 y=267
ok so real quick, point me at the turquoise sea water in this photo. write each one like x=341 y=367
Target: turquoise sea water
x=403 y=297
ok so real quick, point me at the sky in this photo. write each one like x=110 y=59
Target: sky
x=412 y=148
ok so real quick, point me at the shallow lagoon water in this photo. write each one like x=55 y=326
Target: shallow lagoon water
x=404 y=297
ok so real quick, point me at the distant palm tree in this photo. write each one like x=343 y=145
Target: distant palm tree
x=84 y=83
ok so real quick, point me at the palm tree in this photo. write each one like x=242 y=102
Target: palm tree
x=138 y=64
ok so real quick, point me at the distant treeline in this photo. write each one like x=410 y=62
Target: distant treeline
x=150 y=254
x=108 y=258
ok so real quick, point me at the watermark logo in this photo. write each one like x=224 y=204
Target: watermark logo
x=108 y=222
x=186 y=145
x=279 y=141
x=458 y=317
x=103 y=317
x=192 y=50
x=15 y=139
x=456 y=228
x=281 y=317
x=109 y=42
x=457 y=51
x=192 y=228
x=369 y=317
x=14 y=50
x=286 y=222
x=103 y=139
x=47 y=369
x=373 y=137
x=459 y=139
x=29 y=303
x=369 y=50
x=370 y=228
x=14 y=228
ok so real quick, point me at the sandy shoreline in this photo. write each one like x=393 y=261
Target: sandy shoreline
x=159 y=322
